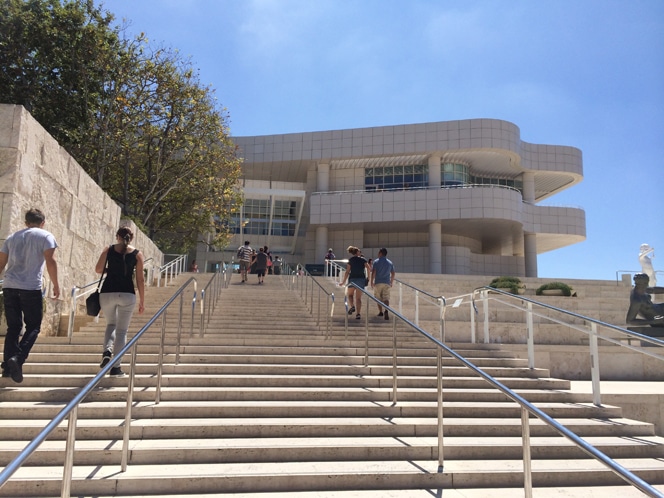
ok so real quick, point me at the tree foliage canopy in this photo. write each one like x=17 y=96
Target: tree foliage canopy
x=134 y=116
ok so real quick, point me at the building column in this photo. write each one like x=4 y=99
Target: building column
x=528 y=179
x=530 y=253
x=321 y=245
x=323 y=178
x=435 y=248
x=434 y=171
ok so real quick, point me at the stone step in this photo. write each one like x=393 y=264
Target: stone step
x=542 y=492
x=220 y=427
x=224 y=478
x=266 y=402
x=207 y=450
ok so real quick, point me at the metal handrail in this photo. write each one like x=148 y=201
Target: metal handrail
x=220 y=280
x=334 y=270
x=593 y=333
x=298 y=278
x=632 y=272
x=172 y=269
x=424 y=187
x=71 y=409
x=527 y=408
x=75 y=294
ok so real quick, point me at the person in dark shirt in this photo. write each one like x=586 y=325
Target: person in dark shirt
x=117 y=296
x=261 y=265
x=356 y=273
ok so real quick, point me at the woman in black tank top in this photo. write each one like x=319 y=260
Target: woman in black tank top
x=117 y=296
x=355 y=274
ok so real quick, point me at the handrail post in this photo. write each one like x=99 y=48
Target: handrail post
x=346 y=314
x=400 y=298
x=200 y=332
x=72 y=314
x=594 y=365
x=531 y=336
x=441 y=304
x=366 y=338
x=473 y=325
x=178 y=338
x=527 y=464
x=439 y=382
x=417 y=308
x=160 y=361
x=318 y=314
x=485 y=307
x=130 y=402
x=193 y=311
x=394 y=361
x=69 y=453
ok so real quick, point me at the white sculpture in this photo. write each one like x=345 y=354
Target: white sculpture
x=646 y=262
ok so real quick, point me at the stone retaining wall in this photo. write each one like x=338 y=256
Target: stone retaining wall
x=35 y=171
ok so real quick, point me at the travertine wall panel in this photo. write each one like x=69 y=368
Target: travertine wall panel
x=36 y=172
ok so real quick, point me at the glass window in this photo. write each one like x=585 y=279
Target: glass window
x=396 y=177
x=256 y=217
x=454 y=174
x=505 y=182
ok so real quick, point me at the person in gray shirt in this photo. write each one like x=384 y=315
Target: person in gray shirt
x=382 y=279
x=24 y=255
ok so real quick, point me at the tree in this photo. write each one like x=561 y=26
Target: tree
x=136 y=118
x=55 y=60
x=162 y=147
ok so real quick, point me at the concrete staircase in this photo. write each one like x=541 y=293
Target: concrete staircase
x=265 y=403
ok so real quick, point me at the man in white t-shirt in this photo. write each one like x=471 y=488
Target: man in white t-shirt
x=24 y=255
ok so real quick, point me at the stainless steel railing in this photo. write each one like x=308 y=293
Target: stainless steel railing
x=405 y=291
x=527 y=408
x=312 y=293
x=83 y=290
x=70 y=411
x=596 y=330
x=171 y=269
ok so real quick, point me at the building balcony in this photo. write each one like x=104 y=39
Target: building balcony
x=481 y=212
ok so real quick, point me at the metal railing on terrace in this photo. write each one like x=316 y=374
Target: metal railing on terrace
x=594 y=329
x=631 y=273
x=527 y=408
x=169 y=271
x=427 y=187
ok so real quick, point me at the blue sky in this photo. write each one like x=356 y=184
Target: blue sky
x=588 y=74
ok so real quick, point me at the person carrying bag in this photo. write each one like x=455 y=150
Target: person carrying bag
x=92 y=305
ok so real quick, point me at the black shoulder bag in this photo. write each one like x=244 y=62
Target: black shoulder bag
x=92 y=306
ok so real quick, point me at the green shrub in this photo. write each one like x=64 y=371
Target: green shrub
x=567 y=290
x=511 y=283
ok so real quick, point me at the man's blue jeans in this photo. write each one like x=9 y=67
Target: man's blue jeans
x=21 y=305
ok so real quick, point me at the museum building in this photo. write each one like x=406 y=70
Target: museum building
x=453 y=197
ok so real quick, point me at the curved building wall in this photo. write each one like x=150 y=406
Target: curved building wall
x=472 y=186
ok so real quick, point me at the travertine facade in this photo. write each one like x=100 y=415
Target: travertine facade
x=452 y=197
x=36 y=172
